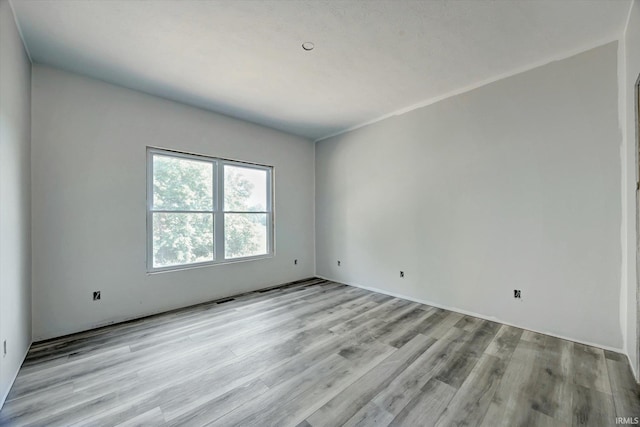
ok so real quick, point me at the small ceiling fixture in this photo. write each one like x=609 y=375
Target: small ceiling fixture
x=308 y=46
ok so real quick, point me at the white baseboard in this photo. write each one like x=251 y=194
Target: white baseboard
x=471 y=313
x=15 y=375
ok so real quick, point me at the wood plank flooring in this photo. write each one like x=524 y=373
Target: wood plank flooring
x=318 y=353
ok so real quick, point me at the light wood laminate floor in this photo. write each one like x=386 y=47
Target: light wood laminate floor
x=318 y=353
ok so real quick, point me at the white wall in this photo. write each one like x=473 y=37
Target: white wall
x=630 y=75
x=515 y=185
x=88 y=162
x=15 y=199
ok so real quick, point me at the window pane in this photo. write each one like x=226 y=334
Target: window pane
x=182 y=238
x=182 y=184
x=245 y=189
x=245 y=235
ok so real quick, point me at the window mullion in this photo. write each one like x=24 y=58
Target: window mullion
x=219 y=212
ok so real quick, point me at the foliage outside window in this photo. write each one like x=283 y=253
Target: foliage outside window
x=203 y=210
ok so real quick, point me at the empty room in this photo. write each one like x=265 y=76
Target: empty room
x=319 y=213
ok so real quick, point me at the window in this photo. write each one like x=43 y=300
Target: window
x=203 y=210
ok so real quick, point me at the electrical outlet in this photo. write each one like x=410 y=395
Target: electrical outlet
x=295 y=262
x=402 y=274
x=96 y=295
x=517 y=293
x=338 y=263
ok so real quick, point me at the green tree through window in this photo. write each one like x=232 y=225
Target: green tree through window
x=245 y=225
x=185 y=218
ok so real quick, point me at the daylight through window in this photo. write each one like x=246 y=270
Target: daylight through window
x=203 y=210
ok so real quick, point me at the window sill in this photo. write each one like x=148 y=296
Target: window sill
x=182 y=267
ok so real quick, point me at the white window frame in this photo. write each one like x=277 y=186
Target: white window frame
x=217 y=213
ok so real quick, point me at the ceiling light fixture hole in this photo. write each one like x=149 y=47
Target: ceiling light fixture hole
x=308 y=46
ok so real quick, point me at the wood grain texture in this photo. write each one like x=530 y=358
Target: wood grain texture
x=472 y=399
x=591 y=368
x=347 y=403
x=408 y=384
x=511 y=404
x=317 y=353
x=370 y=415
x=592 y=407
x=626 y=392
x=425 y=408
x=504 y=342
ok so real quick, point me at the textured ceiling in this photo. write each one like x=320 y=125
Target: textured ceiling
x=371 y=58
